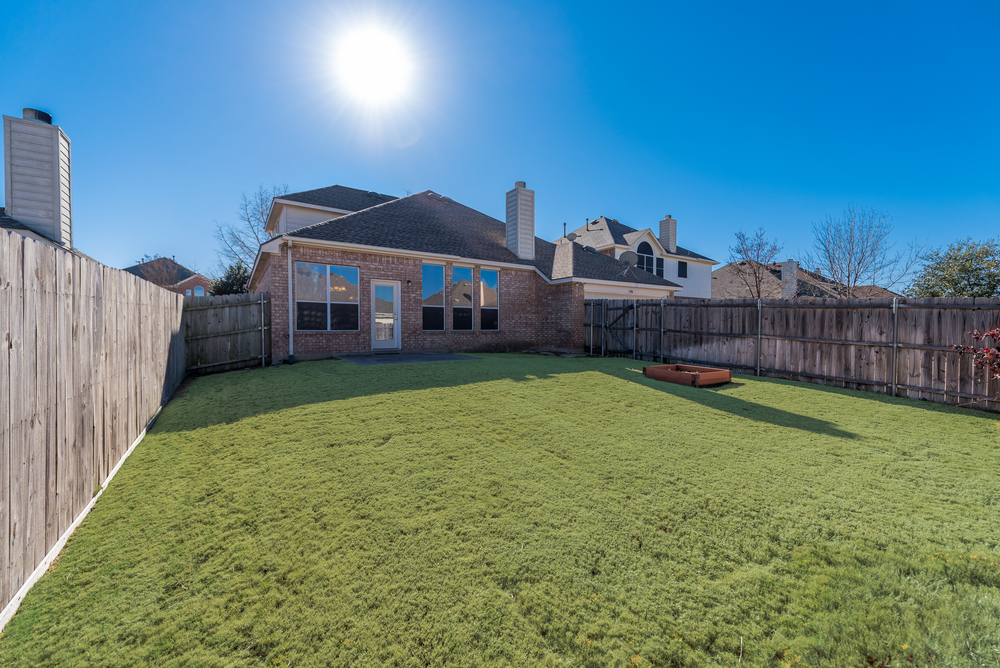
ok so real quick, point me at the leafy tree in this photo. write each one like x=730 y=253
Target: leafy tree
x=854 y=251
x=239 y=242
x=965 y=269
x=750 y=256
x=233 y=281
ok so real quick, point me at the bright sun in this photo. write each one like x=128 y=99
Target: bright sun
x=374 y=66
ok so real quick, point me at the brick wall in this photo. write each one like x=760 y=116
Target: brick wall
x=532 y=312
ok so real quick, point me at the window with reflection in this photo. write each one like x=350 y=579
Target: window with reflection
x=326 y=298
x=433 y=297
x=489 y=311
x=199 y=291
x=461 y=298
x=645 y=253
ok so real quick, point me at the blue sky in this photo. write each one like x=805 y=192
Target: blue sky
x=724 y=116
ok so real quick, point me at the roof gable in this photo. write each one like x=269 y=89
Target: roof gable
x=605 y=232
x=162 y=271
x=429 y=223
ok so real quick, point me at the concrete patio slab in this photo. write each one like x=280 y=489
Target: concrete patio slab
x=404 y=358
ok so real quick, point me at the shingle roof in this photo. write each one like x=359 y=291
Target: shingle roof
x=604 y=232
x=429 y=223
x=8 y=223
x=339 y=197
x=162 y=271
x=727 y=284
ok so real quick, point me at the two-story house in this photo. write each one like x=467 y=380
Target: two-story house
x=660 y=256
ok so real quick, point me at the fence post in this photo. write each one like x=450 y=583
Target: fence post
x=591 y=328
x=635 y=327
x=660 y=344
x=895 y=317
x=263 y=350
x=760 y=303
x=604 y=325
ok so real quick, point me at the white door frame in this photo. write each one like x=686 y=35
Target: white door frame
x=394 y=343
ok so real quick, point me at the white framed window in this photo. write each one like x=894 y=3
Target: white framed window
x=432 y=286
x=187 y=293
x=489 y=310
x=682 y=269
x=645 y=253
x=199 y=291
x=326 y=298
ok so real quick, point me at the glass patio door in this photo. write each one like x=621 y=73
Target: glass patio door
x=385 y=315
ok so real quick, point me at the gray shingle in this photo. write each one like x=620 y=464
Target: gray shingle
x=429 y=223
x=339 y=197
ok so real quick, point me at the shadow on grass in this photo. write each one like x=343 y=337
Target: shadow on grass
x=715 y=399
x=229 y=397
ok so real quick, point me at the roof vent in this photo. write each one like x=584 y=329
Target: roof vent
x=36 y=115
x=591 y=249
x=372 y=193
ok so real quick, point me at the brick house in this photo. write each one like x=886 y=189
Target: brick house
x=355 y=272
x=783 y=280
x=170 y=275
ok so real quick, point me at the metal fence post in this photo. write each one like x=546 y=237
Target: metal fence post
x=604 y=325
x=635 y=328
x=760 y=304
x=263 y=348
x=895 y=320
x=661 y=332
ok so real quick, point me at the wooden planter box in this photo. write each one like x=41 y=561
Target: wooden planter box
x=685 y=374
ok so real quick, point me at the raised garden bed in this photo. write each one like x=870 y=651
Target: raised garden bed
x=686 y=374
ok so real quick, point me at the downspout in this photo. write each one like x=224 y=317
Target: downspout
x=291 y=309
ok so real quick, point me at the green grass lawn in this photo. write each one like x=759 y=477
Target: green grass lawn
x=531 y=511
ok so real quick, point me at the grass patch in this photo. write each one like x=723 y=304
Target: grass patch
x=522 y=510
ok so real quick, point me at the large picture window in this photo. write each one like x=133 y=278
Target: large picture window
x=489 y=311
x=326 y=298
x=433 y=297
x=645 y=253
x=461 y=298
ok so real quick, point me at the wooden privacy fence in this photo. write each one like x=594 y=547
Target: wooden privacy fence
x=90 y=353
x=227 y=332
x=897 y=346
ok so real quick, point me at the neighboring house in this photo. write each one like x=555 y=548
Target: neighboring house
x=657 y=255
x=166 y=273
x=424 y=272
x=784 y=280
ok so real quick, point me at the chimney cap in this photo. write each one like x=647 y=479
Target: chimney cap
x=520 y=184
x=36 y=115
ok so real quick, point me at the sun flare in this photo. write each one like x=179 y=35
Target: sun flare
x=374 y=66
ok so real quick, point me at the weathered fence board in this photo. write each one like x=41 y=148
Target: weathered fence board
x=227 y=332
x=856 y=344
x=90 y=355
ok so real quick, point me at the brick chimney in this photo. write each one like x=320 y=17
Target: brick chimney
x=668 y=234
x=521 y=221
x=36 y=160
x=789 y=279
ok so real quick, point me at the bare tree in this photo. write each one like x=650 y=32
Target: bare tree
x=855 y=251
x=750 y=256
x=239 y=242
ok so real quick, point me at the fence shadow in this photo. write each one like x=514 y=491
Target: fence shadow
x=716 y=399
x=226 y=398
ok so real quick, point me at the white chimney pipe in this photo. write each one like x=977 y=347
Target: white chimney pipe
x=37 y=175
x=521 y=221
x=789 y=279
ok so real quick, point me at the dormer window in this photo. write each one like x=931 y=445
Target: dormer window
x=645 y=253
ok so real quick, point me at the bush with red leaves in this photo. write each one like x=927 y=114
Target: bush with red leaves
x=984 y=358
